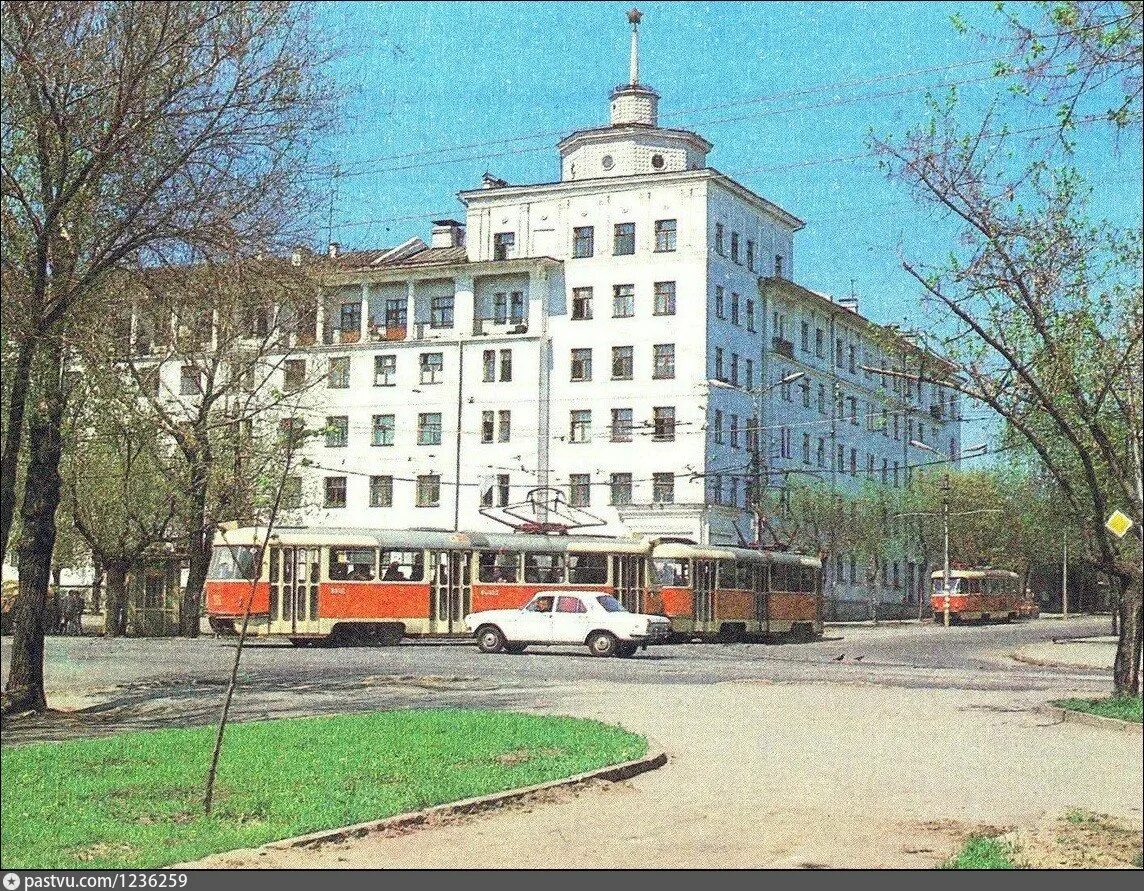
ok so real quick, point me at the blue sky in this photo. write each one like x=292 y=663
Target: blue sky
x=433 y=84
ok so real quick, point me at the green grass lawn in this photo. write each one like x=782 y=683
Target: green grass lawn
x=1126 y=708
x=136 y=800
x=981 y=852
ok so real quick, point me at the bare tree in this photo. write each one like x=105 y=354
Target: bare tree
x=1046 y=310
x=133 y=134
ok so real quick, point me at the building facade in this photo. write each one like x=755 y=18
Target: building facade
x=631 y=335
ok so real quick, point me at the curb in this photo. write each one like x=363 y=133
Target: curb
x=614 y=773
x=1048 y=663
x=1070 y=716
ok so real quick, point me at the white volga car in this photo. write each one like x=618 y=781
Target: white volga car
x=568 y=617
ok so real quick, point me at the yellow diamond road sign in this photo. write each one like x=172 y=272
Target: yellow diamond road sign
x=1119 y=523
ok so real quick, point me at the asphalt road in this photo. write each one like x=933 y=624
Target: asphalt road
x=104 y=686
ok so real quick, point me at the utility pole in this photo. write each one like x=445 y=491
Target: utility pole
x=945 y=542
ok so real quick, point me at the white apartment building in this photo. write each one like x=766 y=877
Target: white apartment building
x=619 y=335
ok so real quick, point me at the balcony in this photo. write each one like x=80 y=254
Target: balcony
x=492 y=327
x=936 y=412
x=379 y=333
x=783 y=347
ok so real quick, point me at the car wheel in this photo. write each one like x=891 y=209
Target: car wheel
x=490 y=640
x=601 y=643
x=626 y=651
x=515 y=648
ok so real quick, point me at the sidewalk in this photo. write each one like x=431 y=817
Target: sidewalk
x=1082 y=652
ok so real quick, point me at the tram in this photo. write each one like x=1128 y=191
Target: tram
x=977 y=595
x=313 y=585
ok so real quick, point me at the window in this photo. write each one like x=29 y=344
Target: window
x=717 y=424
x=621 y=425
x=852 y=360
x=428 y=490
x=338 y=377
x=543 y=569
x=383 y=428
x=579 y=490
x=506 y=365
x=664 y=365
x=489 y=366
x=714 y=493
x=587 y=569
x=396 y=312
x=623 y=301
x=381 y=491
x=621 y=488
x=432 y=368
x=622 y=363
x=735 y=247
x=500 y=309
x=663 y=488
x=734 y=431
x=784 y=442
x=190 y=381
x=750 y=315
x=819 y=343
x=806 y=448
x=570 y=605
x=402 y=566
x=784 y=386
x=351 y=317
x=719 y=239
x=293 y=374
x=583 y=241
x=734 y=308
x=429 y=428
x=384 y=371
x=516 y=307
x=664 y=299
x=822 y=399
x=854 y=462
x=337 y=431
x=352 y=564
x=487 y=425
x=441 y=311
x=580 y=428
x=581 y=303
x=292 y=432
x=734 y=369
x=502 y=492
x=291 y=493
x=664 y=235
x=663 y=423
x=581 y=365
x=885 y=470
x=804 y=386
x=719 y=364
x=504 y=425
x=853 y=410
x=869 y=466
x=804 y=344
x=499 y=566
x=504 y=245
x=335 y=492
x=778 y=266
x=624 y=240
x=720 y=312
x=896 y=470
x=749 y=373
x=838 y=352
x=820 y=456
x=779 y=326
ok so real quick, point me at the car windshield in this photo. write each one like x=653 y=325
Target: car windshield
x=608 y=602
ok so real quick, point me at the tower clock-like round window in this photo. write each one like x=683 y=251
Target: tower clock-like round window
x=657 y=162
x=608 y=162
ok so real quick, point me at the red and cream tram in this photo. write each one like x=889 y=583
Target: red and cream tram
x=977 y=594
x=381 y=585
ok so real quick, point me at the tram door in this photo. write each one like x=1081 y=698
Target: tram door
x=451 y=591
x=762 y=586
x=294 y=577
x=627 y=579
x=704 y=593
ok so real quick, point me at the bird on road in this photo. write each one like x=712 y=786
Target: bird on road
x=840 y=657
x=858 y=658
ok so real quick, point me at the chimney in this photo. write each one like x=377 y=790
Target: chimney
x=333 y=250
x=447 y=234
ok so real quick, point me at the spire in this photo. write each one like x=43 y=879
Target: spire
x=634 y=17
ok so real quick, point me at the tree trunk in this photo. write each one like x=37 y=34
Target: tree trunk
x=1126 y=667
x=96 y=581
x=21 y=373
x=115 y=619
x=25 y=689
x=199 y=544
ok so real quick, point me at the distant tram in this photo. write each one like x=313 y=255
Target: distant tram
x=977 y=595
x=377 y=586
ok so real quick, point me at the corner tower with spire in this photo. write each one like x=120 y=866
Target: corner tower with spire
x=633 y=143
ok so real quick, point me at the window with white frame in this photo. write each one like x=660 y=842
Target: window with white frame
x=623 y=301
x=664 y=299
x=664 y=235
x=580 y=425
x=338 y=377
x=382 y=430
x=432 y=368
x=581 y=364
x=428 y=490
x=381 y=491
x=581 y=303
x=385 y=370
x=664 y=361
x=429 y=428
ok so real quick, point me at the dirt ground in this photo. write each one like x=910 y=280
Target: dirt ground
x=1078 y=840
x=805 y=775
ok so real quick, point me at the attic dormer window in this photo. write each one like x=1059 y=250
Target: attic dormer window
x=657 y=161
x=607 y=162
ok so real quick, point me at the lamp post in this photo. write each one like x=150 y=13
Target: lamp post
x=756 y=458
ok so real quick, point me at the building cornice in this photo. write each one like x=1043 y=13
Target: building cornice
x=414 y=272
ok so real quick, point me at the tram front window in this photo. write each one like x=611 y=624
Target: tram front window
x=229 y=562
